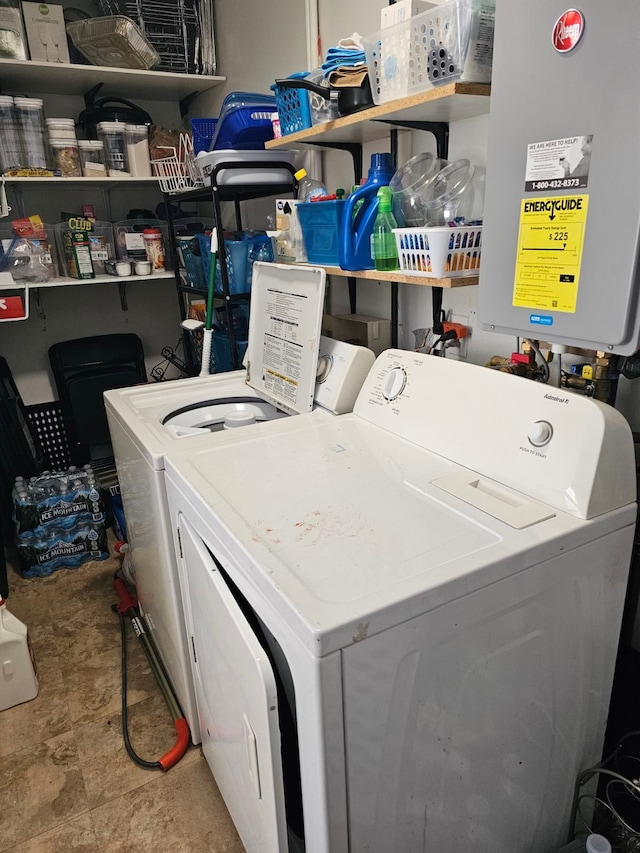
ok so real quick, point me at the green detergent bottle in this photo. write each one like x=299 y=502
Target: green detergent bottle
x=383 y=241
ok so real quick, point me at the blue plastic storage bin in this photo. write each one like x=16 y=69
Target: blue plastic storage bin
x=203 y=130
x=293 y=106
x=221 y=360
x=244 y=122
x=320 y=222
x=238 y=272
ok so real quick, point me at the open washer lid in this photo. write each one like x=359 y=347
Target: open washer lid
x=284 y=334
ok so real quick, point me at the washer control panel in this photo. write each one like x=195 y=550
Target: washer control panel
x=394 y=383
x=546 y=442
x=342 y=368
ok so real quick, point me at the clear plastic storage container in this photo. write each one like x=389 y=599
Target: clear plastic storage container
x=138 y=150
x=65 y=157
x=129 y=238
x=30 y=114
x=61 y=128
x=10 y=148
x=92 y=158
x=113 y=136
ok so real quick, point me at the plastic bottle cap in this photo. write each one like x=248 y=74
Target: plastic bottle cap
x=384 y=200
x=300 y=174
x=29 y=103
x=597 y=844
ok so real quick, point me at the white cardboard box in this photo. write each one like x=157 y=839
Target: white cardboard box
x=360 y=329
x=46 y=33
x=289 y=243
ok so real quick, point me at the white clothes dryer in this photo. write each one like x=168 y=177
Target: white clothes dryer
x=406 y=641
x=146 y=421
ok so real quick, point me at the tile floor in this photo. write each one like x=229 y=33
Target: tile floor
x=66 y=782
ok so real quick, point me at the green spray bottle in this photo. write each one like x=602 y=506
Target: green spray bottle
x=383 y=241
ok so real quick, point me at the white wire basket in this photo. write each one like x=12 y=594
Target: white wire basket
x=178 y=171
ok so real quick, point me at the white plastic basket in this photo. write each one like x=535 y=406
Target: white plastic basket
x=423 y=51
x=439 y=252
x=178 y=171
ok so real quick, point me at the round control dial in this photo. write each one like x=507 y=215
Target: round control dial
x=325 y=363
x=394 y=383
x=539 y=433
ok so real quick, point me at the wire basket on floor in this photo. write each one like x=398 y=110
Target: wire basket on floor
x=178 y=171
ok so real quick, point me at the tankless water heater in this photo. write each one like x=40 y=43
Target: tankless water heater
x=562 y=210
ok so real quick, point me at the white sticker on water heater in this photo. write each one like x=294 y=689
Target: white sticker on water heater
x=558 y=164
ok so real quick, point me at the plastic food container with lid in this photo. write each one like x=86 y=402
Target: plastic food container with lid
x=138 y=150
x=154 y=248
x=30 y=114
x=10 y=148
x=92 y=158
x=61 y=128
x=64 y=155
x=113 y=136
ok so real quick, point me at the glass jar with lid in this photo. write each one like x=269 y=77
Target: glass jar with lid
x=92 y=158
x=30 y=113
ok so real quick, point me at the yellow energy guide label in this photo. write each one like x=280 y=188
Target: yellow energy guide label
x=549 y=255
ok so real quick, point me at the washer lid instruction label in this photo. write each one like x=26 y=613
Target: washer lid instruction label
x=549 y=253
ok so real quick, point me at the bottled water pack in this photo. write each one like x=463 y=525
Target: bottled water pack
x=60 y=520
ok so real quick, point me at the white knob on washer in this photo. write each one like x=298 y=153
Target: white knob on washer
x=539 y=433
x=325 y=363
x=393 y=384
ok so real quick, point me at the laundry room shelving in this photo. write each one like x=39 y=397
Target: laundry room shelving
x=53 y=78
x=218 y=193
x=444 y=104
x=42 y=79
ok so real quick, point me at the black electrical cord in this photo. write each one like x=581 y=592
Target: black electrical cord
x=148 y=765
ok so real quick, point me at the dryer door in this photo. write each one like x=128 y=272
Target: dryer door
x=237 y=701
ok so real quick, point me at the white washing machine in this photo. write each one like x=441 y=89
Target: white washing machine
x=405 y=640
x=292 y=366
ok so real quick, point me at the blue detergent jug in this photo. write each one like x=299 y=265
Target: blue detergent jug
x=354 y=245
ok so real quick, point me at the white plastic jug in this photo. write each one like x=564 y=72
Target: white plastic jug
x=18 y=681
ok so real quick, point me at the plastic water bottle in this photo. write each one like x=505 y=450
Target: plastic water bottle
x=383 y=242
x=308 y=188
x=592 y=844
x=18 y=681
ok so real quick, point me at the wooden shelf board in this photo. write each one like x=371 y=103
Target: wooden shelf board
x=405 y=278
x=453 y=102
x=23 y=75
